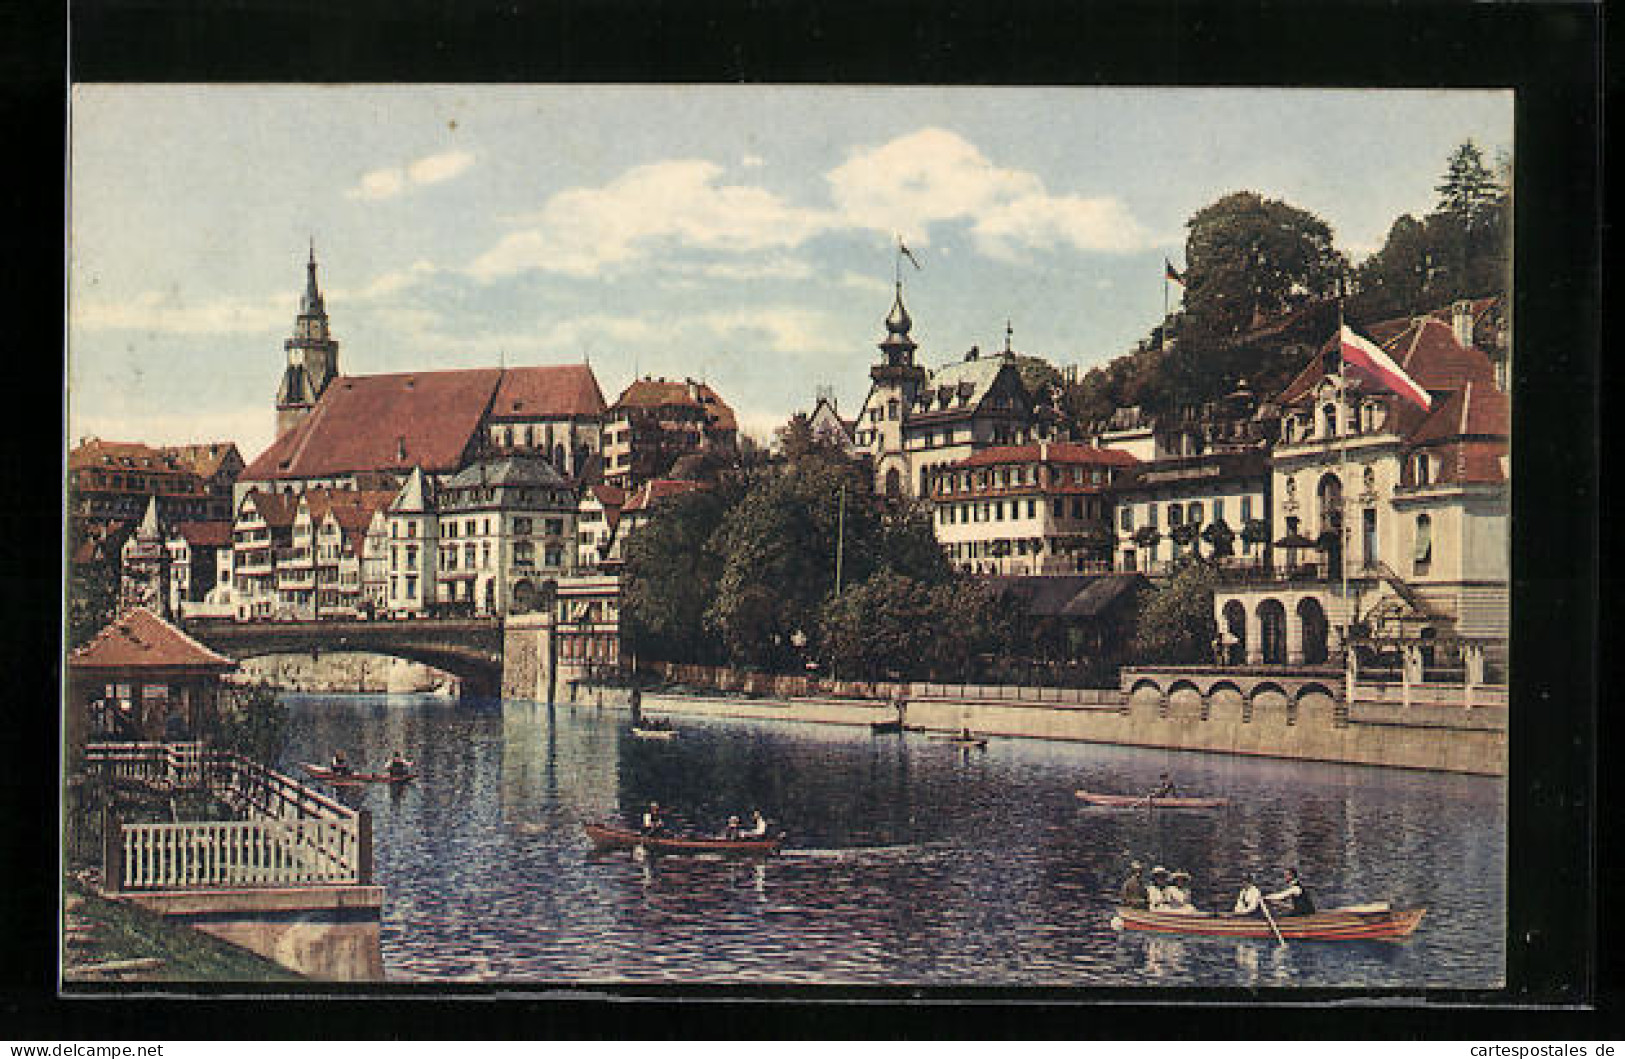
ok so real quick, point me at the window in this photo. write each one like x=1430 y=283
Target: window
x=1194 y=515
x=1246 y=508
x=555 y=527
x=521 y=526
x=1059 y=507
x=394 y=557
x=485 y=555
x=1424 y=545
x=411 y=558
x=998 y=511
x=411 y=588
x=1032 y=509
x=554 y=555
x=1126 y=521
x=891 y=409
x=524 y=554
x=1151 y=515
x=1176 y=515
x=1218 y=510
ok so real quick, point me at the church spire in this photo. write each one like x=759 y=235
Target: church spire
x=311 y=303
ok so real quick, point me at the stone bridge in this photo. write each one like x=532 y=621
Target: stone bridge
x=1237 y=693
x=469 y=648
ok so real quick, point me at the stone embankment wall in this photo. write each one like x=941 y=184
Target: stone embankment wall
x=342 y=672
x=330 y=933
x=1261 y=719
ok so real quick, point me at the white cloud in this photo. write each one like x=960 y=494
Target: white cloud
x=153 y=311
x=390 y=181
x=383 y=285
x=581 y=231
x=438 y=167
x=934 y=176
x=752 y=161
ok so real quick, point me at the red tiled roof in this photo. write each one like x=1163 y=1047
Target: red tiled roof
x=139 y=639
x=204 y=460
x=354 y=510
x=215 y=533
x=383 y=422
x=551 y=390
x=276 y=509
x=1058 y=452
x=658 y=393
x=650 y=493
x=124 y=454
x=609 y=495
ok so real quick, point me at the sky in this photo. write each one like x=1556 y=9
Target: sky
x=741 y=235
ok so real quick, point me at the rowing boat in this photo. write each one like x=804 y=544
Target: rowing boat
x=1376 y=922
x=1133 y=801
x=654 y=733
x=606 y=837
x=327 y=775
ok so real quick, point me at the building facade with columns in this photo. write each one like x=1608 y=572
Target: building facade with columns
x=1390 y=521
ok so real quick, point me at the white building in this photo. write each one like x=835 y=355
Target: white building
x=506 y=532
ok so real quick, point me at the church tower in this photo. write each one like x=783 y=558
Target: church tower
x=313 y=356
x=896 y=384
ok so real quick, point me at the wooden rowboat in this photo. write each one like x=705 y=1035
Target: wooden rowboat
x=974 y=742
x=654 y=733
x=1355 y=923
x=1141 y=801
x=327 y=775
x=605 y=836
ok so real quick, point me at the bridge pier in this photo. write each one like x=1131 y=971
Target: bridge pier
x=529 y=657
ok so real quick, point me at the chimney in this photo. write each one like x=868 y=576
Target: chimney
x=1461 y=322
x=400 y=447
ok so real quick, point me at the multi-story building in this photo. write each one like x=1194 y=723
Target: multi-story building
x=657 y=421
x=413 y=525
x=144 y=568
x=195 y=551
x=506 y=534
x=596 y=517
x=110 y=483
x=914 y=421
x=1016 y=510
x=828 y=428
x=264 y=526
x=1390 y=519
x=1215 y=505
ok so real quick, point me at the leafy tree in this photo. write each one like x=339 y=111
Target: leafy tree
x=254 y=722
x=896 y=625
x=92 y=600
x=1038 y=376
x=1174 y=625
x=1391 y=281
x=1249 y=257
x=670 y=578
x=795 y=438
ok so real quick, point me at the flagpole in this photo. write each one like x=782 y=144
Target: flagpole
x=1342 y=476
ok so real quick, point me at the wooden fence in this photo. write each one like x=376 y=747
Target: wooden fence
x=291 y=835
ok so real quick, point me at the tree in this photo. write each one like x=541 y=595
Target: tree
x=670 y=578
x=1391 y=281
x=254 y=722
x=1038 y=376
x=92 y=599
x=1469 y=190
x=1250 y=257
x=1175 y=623
x=795 y=438
x=896 y=625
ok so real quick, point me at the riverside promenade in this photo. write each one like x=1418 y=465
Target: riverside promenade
x=1302 y=714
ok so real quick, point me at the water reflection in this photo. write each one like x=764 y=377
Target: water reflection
x=910 y=861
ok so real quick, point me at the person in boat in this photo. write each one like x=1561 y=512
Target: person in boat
x=758 y=825
x=340 y=765
x=965 y=736
x=1294 y=896
x=1133 y=894
x=1250 y=901
x=731 y=832
x=1176 y=896
x=1156 y=890
x=652 y=822
x=1164 y=788
x=397 y=767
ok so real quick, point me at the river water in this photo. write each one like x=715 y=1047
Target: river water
x=909 y=861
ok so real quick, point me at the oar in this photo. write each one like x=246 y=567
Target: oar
x=1264 y=902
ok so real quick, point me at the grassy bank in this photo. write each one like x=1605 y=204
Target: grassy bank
x=141 y=946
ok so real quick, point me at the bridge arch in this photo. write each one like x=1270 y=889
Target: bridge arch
x=1271 y=704
x=1226 y=703
x=1185 y=701
x=1145 y=696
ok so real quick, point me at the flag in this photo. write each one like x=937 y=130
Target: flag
x=906 y=252
x=1368 y=359
x=1170 y=272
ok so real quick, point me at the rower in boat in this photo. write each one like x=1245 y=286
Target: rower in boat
x=398 y=767
x=1133 y=893
x=758 y=825
x=1250 y=901
x=1163 y=789
x=1176 y=896
x=340 y=765
x=652 y=822
x=1154 y=896
x=1294 y=895
x=731 y=832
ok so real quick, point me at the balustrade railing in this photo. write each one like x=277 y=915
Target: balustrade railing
x=292 y=835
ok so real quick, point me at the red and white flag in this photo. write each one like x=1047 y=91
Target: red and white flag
x=1367 y=358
